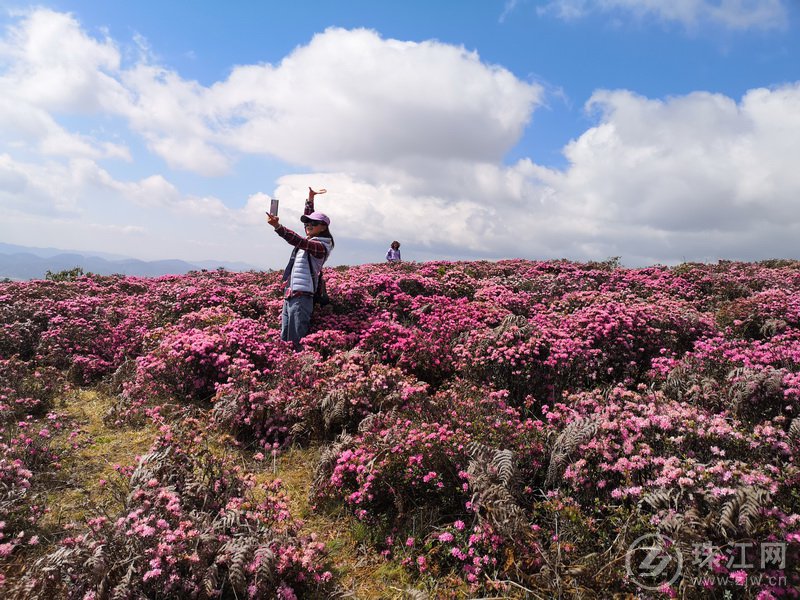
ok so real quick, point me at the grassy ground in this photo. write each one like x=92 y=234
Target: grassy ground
x=78 y=490
x=76 y=493
x=361 y=572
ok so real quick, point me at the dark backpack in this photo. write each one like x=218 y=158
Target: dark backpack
x=321 y=293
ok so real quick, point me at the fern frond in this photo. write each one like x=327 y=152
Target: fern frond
x=327 y=462
x=495 y=504
x=772 y=327
x=241 y=551
x=504 y=463
x=265 y=558
x=660 y=499
x=574 y=435
x=368 y=421
x=741 y=510
x=518 y=324
x=124 y=372
x=210 y=583
x=225 y=410
x=683 y=527
x=123 y=589
x=97 y=562
x=480 y=452
x=150 y=465
x=299 y=429
x=229 y=520
x=794 y=430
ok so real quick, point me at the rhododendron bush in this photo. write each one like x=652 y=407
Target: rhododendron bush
x=503 y=428
x=189 y=526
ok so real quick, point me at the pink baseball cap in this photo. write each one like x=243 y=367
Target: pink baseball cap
x=316 y=216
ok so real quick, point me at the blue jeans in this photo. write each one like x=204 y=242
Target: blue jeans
x=296 y=319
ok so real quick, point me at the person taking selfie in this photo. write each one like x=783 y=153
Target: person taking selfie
x=305 y=265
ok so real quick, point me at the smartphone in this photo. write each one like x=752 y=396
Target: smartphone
x=273 y=206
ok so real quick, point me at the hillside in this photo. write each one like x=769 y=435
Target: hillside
x=508 y=429
x=20 y=263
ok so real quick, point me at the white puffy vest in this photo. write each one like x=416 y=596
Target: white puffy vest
x=300 y=279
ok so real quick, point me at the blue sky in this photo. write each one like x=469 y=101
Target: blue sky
x=656 y=131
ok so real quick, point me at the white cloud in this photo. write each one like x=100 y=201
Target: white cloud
x=47 y=188
x=29 y=127
x=56 y=66
x=123 y=230
x=700 y=176
x=53 y=67
x=700 y=169
x=390 y=101
x=732 y=14
x=12 y=180
x=696 y=160
x=175 y=118
x=408 y=138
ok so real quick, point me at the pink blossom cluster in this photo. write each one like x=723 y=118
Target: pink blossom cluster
x=299 y=400
x=539 y=404
x=190 y=525
x=27 y=461
x=201 y=350
x=27 y=390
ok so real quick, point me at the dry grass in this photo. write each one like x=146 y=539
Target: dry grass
x=77 y=494
x=78 y=489
x=362 y=573
x=74 y=492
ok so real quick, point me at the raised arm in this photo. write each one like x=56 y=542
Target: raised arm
x=310 y=201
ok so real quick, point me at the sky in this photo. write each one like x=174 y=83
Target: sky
x=655 y=131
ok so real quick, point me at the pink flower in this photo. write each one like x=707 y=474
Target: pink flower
x=740 y=576
x=668 y=590
x=430 y=475
x=422 y=563
x=286 y=593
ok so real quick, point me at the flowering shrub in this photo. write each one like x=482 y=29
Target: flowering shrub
x=27 y=461
x=24 y=313
x=26 y=390
x=17 y=513
x=409 y=477
x=189 y=526
x=503 y=425
x=629 y=442
x=191 y=358
x=312 y=400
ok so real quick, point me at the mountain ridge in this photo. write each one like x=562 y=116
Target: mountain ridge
x=24 y=262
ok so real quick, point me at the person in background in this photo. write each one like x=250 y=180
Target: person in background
x=393 y=255
x=302 y=273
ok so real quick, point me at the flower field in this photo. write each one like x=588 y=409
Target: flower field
x=508 y=429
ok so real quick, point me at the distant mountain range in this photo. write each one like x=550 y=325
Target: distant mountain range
x=23 y=262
